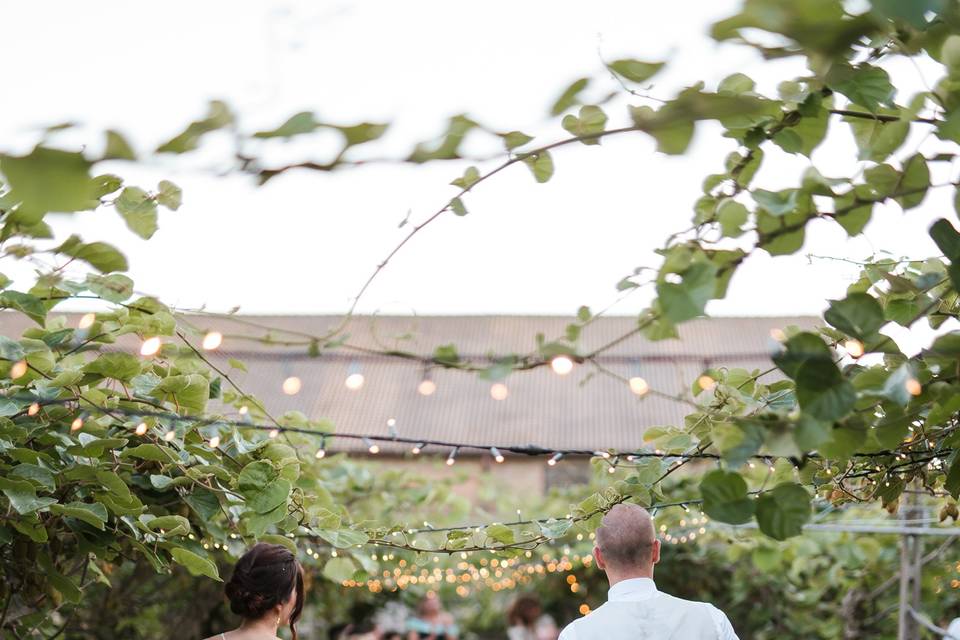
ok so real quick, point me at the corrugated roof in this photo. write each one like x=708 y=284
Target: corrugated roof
x=574 y=411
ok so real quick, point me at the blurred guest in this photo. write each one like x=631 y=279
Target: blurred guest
x=528 y=621
x=431 y=622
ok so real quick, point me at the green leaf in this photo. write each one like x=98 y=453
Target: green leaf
x=118 y=148
x=169 y=195
x=782 y=512
x=725 y=497
x=218 y=116
x=858 y=315
x=514 y=139
x=470 y=177
x=864 y=84
x=256 y=476
x=115 y=287
x=114 y=484
x=555 y=528
x=152 y=452
x=947 y=239
x=688 y=298
x=49 y=180
x=736 y=84
x=139 y=210
x=587 y=125
x=732 y=216
x=281 y=540
x=777 y=203
x=877 y=139
x=29 y=305
x=501 y=533
x=788 y=140
x=118 y=366
x=297 y=124
x=169 y=525
x=952 y=482
x=457 y=206
x=10 y=349
x=100 y=255
x=269 y=497
x=237 y=364
x=569 y=97
x=23 y=496
x=196 y=565
x=343 y=538
x=737 y=441
x=914 y=182
x=635 y=70
x=362 y=133
x=913 y=12
x=339 y=570
x=189 y=391
x=93 y=514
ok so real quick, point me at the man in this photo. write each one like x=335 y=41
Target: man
x=626 y=550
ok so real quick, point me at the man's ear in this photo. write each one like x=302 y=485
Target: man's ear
x=598 y=557
x=655 y=552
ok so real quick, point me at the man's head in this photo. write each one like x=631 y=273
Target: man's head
x=626 y=545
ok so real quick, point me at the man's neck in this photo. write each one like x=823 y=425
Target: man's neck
x=616 y=577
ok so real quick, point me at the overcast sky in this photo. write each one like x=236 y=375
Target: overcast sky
x=306 y=242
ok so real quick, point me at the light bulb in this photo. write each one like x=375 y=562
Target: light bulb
x=496 y=454
x=33 y=409
x=638 y=385
x=499 y=391
x=612 y=469
x=87 y=320
x=291 y=386
x=18 y=369
x=150 y=346
x=273 y=433
x=913 y=387
x=212 y=340
x=561 y=365
x=243 y=410
x=170 y=435
x=141 y=429
x=453 y=456
x=417 y=448
x=77 y=424
x=602 y=454
x=853 y=347
x=426 y=387
x=214 y=442
x=371 y=446
x=555 y=459
x=706 y=382
x=354 y=381
x=321 y=453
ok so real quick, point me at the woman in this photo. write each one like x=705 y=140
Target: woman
x=528 y=622
x=431 y=622
x=266 y=590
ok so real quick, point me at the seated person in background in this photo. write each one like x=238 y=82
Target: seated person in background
x=527 y=620
x=431 y=622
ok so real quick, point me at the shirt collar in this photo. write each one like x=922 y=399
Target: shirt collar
x=632 y=590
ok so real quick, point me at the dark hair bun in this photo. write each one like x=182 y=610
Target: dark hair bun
x=264 y=577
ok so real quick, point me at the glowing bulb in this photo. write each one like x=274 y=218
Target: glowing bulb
x=141 y=429
x=778 y=334
x=321 y=453
x=426 y=387
x=18 y=369
x=706 y=382
x=853 y=347
x=273 y=433
x=87 y=320
x=214 y=442
x=170 y=435
x=243 y=410
x=212 y=340
x=291 y=386
x=555 y=459
x=561 y=365
x=612 y=469
x=150 y=346
x=602 y=454
x=417 y=448
x=496 y=454
x=371 y=446
x=354 y=381
x=77 y=424
x=499 y=391
x=33 y=409
x=913 y=387
x=639 y=386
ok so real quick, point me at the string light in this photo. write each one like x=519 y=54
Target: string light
x=170 y=435
x=417 y=448
x=453 y=456
x=853 y=347
x=141 y=429
x=212 y=340
x=243 y=410
x=427 y=386
x=371 y=447
x=77 y=424
x=292 y=385
x=214 y=442
x=913 y=387
x=354 y=381
x=322 y=451
x=33 y=409
x=18 y=369
x=496 y=454
x=392 y=427
x=706 y=383
x=150 y=346
x=561 y=365
x=499 y=391
x=273 y=433
x=639 y=386
x=555 y=459
x=602 y=454
x=778 y=334
x=613 y=465
x=87 y=320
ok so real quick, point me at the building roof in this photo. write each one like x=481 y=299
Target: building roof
x=577 y=411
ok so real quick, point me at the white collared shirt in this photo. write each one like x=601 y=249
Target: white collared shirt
x=641 y=590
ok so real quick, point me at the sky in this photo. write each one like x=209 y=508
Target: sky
x=306 y=242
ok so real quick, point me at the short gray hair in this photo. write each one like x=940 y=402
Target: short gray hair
x=626 y=536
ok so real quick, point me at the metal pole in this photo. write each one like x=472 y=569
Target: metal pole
x=911 y=551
